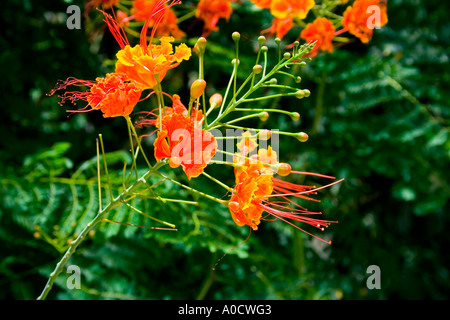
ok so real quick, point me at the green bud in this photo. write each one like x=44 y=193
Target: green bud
x=302 y=137
x=257 y=69
x=200 y=45
x=236 y=36
x=261 y=40
x=307 y=92
x=300 y=94
x=295 y=116
x=263 y=116
x=286 y=55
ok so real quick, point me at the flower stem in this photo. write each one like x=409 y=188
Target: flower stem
x=138 y=140
x=91 y=225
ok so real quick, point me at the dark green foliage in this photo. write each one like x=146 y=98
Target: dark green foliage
x=377 y=116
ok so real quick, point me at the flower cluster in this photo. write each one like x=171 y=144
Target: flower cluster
x=359 y=19
x=187 y=137
x=319 y=21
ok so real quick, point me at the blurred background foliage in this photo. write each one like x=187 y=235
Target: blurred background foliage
x=378 y=116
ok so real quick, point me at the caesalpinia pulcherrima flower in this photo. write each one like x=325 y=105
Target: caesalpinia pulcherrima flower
x=210 y=11
x=114 y=95
x=322 y=31
x=256 y=185
x=182 y=140
x=279 y=27
x=148 y=63
x=357 y=18
x=142 y=9
x=296 y=8
x=284 y=11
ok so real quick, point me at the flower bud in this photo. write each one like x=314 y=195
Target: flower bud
x=261 y=40
x=236 y=36
x=216 y=100
x=197 y=88
x=286 y=55
x=306 y=92
x=264 y=134
x=302 y=136
x=295 y=116
x=200 y=45
x=298 y=79
x=235 y=61
x=284 y=169
x=263 y=116
x=264 y=49
x=300 y=94
x=257 y=69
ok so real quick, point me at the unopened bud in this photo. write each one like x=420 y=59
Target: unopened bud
x=264 y=49
x=261 y=40
x=264 y=134
x=286 y=55
x=263 y=116
x=295 y=116
x=216 y=100
x=236 y=36
x=197 y=88
x=200 y=46
x=235 y=61
x=257 y=69
x=298 y=79
x=307 y=92
x=300 y=94
x=302 y=136
x=284 y=169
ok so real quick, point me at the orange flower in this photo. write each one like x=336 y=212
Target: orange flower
x=182 y=141
x=256 y=185
x=147 y=63
x=210 y=11
x=280 y=27
x=263 y=4
x=142 y=9
x=322 y=31
x=357 y=20
x=296 y=8
x=113 y=95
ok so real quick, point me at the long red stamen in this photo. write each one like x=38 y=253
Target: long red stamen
x=116 y=30
x=305 y=192
x=283 y=215
x=313 y=174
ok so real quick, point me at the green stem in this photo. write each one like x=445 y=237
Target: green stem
x=91 y=225
x=138 y=140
